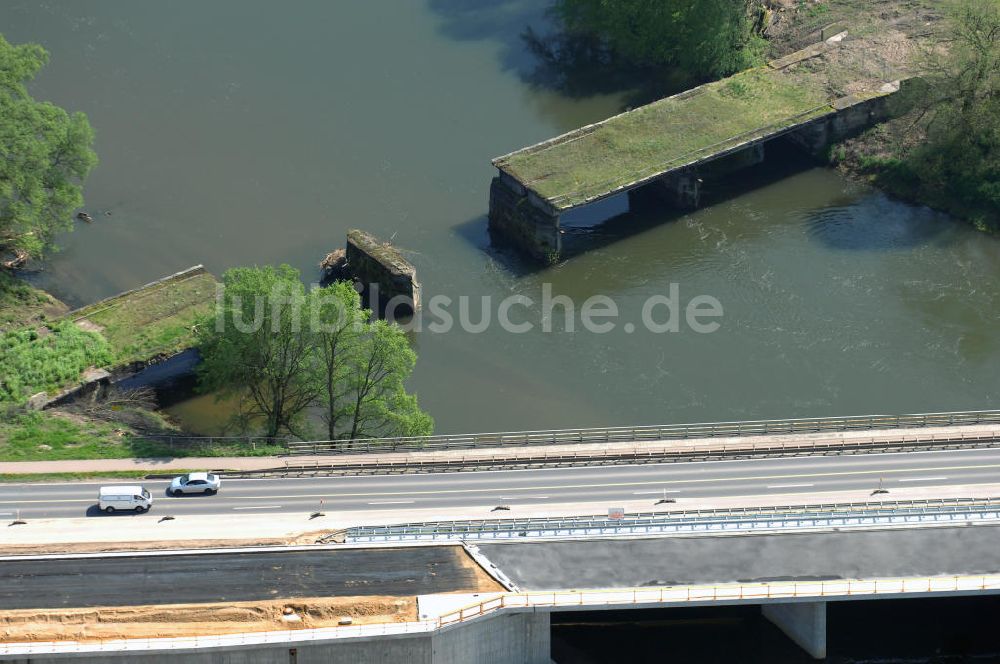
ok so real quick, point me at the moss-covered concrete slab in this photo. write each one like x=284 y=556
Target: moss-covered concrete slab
x=627 y=149
x=707 y=122
x=151 y=321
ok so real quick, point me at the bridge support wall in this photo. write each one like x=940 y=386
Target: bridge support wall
x=682 y=189
x=505 y=638
x=853 y=117
x=518 y=220
x=803 y=622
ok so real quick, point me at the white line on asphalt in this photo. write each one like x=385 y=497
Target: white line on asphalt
x=392 y=502
x=922 y=479
x=572 y=469
x=259 y=507
x=789 y=486
x=654 y=493
x=510 y=492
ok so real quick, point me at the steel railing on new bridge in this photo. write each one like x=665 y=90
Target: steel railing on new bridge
x=726 y=520
x=725 y=592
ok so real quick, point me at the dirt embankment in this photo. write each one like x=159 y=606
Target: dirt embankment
x=332 y=536
x=174 y=620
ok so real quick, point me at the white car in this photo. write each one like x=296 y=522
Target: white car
x=120 y=498
x=194 y=483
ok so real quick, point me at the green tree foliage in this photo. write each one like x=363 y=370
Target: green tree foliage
x=339 y=322
x=379 y=403
x=282 y=351
x=256 y=349
x=702 y=38
x=46 y=156
x=46 y=360
x=961 y=108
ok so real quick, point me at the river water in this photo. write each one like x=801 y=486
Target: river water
x=236 y=132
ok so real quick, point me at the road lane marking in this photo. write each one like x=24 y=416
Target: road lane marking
x=259 y=507
x=877 y=472
x=654 y=493
x=392 y=502
x=922 y=479
x=789 y=486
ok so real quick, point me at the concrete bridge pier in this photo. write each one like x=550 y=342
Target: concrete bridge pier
x=520 y=218
x=803 y=622
x=681 y=190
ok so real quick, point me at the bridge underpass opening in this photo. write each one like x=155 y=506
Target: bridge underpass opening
x=911 y=630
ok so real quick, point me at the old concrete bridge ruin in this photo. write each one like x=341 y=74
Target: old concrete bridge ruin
x=671 y=145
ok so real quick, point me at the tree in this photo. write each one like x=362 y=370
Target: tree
x=702 y=38
x=46 y=156
x=961 y=109
x=258 y=349
x=282 y=351
x=339 y=322
x=380 y=405
x=362 y=368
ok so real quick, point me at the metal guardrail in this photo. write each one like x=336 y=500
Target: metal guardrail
x=645 y=433
x=775 y=518
x=727 y=592
x=383 y=465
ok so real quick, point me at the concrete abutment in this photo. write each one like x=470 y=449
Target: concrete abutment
x=803 y=622
x=516 y=219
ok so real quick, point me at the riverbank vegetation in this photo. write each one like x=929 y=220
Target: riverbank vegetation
x=945 y=151
x=703 y=39
x=47 y=155
x=46 y=359
x=22 y=305
x=74 y=433
x=282 y=351
x=154 y=321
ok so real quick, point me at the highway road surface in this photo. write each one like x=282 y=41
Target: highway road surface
x=610 y=484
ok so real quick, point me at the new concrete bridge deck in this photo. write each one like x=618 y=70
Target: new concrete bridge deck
x=681 y=561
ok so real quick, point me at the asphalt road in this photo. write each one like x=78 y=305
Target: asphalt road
x=485 y=489
x=233 y=577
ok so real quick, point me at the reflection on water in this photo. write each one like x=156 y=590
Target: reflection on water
x=239 y=132
x=899 y=226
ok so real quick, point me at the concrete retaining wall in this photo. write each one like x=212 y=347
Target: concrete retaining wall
x=505 y=638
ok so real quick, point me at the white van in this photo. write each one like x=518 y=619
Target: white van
x=114 y=498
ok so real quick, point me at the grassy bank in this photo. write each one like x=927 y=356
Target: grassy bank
x=41 y=354
x=878 y=157
x=22 y=305
x=110 y=475
x=51 y=436
x=152 y=321
x=942 y=149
